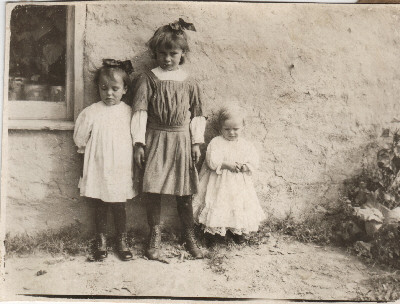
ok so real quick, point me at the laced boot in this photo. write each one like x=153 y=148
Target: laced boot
x=153 y=248
x=191 y=244
x=100 y=252
x=122 y=248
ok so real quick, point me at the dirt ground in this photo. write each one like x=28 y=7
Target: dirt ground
x=279 y=269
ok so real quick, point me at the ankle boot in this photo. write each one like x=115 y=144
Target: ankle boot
x=122 y=248
x=100 y=252
x=191 y=243
x=185 y=211
x=153 y=247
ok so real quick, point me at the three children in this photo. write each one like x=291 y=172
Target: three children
x=162 y=134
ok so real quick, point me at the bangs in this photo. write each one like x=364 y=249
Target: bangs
x=168 y=40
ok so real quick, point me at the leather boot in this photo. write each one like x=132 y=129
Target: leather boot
x=185 y=211
x=153 y=248
x=122 y=248
x=191 y=244
x=100 y=252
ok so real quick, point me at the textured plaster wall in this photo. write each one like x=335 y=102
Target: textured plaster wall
x=42 y=190
x=318 y=82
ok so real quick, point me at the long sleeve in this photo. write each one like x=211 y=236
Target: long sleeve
x=197 y=128
x=82 y=130
x=214 y=156
x=138 y=126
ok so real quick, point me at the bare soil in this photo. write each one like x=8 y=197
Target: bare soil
x=279 y=269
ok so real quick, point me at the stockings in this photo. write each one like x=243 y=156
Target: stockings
x=185 y=210
x=184 y=207
x=119 y=212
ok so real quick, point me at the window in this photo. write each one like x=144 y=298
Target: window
x=45 y=65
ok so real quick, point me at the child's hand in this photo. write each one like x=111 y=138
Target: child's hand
x=138 y=155
x=233 y=167
x=196 y=153
x=244 y=168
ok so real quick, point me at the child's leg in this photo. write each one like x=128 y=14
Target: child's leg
x=185 y=211
x=153 y=208
x=119 y=213
x=100 y=219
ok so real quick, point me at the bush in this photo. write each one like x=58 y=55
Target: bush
x=386 y=245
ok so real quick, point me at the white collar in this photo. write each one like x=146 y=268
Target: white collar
x=177 y=75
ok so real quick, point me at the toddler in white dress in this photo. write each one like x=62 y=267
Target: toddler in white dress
x=227 y=201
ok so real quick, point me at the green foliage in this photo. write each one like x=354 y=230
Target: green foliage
x=386 y=245
x=319 y=228
x=380 y=184
x=69 y=240
x=374 y=188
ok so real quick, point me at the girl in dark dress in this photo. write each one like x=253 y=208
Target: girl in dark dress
x=167 y=129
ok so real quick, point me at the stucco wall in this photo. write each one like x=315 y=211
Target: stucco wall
x=42 y=186
x=318 y=81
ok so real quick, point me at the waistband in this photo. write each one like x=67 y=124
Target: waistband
x=155 y=126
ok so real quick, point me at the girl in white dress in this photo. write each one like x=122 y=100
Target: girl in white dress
x=102 y=133
x=227 y=201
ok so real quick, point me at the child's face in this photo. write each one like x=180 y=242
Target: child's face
x=231 y=129
x=168 y=59
x=111 y=88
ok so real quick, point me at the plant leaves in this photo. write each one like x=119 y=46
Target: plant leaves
x=385 y=133
x=384 y=158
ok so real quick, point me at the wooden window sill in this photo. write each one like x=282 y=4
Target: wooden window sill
x=16 y=124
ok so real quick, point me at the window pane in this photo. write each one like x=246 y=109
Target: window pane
x=37 y=53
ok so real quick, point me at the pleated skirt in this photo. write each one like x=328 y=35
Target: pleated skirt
x=169 y=168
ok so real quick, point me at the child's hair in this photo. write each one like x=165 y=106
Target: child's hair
x=227 y=112
x=171 y=36
x=111 y=66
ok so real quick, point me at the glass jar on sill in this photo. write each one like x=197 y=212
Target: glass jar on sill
x=16 y=87
x=36 y=92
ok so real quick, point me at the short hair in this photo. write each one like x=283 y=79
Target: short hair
x=224 y=113
x=166 y=37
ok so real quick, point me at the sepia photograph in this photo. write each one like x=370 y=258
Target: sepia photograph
x=158 y=151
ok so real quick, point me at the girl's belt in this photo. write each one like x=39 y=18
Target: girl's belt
x=159 y=127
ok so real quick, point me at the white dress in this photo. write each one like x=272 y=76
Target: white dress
x=227 y=200
x=103 y=133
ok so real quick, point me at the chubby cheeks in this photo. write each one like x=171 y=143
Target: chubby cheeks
x=232 y=128
x=111 y=88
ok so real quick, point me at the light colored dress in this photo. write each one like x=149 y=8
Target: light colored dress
x=227 y=200
x=103 y=133
x=171 y=100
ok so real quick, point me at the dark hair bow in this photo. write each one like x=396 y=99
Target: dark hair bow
x=124 y=65
x=181 y=25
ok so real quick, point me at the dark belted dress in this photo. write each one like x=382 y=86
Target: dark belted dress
x=170 y=105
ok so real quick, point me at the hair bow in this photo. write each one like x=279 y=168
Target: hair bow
x=181 y=25
x=124 y=65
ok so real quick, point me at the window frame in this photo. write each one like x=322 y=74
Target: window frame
x=50 y=115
